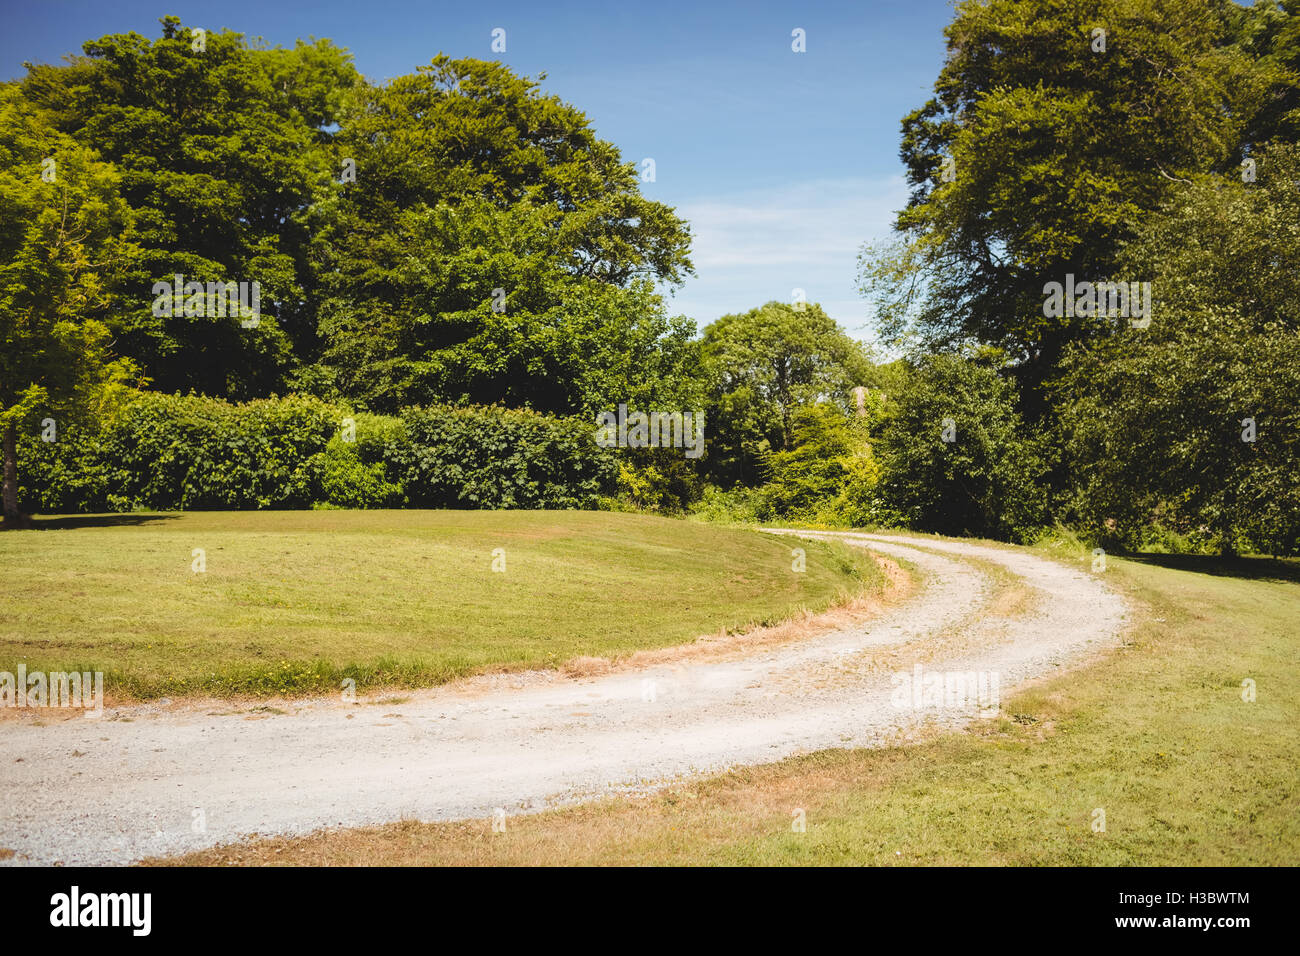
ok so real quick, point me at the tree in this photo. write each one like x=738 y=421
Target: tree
x=1054 y=128
x=830 y=474
x=954 y=456
x=759 y=366
x=221 y=148
x=489 y=248
x=474 y=304
x=64 y=237
x=378 y=245
x=1272 y=35
x=1192 y=425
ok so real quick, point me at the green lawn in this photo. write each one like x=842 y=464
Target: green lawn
x=296 y=601
x=1156 y=735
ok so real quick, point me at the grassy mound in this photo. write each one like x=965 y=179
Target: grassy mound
x=299 y=601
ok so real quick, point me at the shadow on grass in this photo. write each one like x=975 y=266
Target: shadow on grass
x=1253 y=568
x=61 y=522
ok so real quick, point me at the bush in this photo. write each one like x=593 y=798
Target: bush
x=61 y=476
x=738 y=505
x=488 y=457
x=173 y=452
x=358 y=472
x=988 y=480
x=829 y=477
x=659 y=480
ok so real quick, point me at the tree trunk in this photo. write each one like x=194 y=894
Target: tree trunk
x=11 y=475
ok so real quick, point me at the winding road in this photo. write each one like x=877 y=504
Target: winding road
x=148 y=781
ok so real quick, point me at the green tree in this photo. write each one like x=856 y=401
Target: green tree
x=759 y=367
x=1158 y=417
x=830 y=474
x=222 y=152
x=1040 y=150
x=64 y=237
x=1272 y=35
x=474 y=304
x=491 y=248
x=954 y=454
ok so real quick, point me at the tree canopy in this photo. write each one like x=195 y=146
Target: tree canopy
x=379 y=222
x=220 y=154
x=1193 y=423
x=489 y=248
x=759 y=366
x=1056 y=125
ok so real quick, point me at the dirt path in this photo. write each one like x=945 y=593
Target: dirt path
x=134 y=783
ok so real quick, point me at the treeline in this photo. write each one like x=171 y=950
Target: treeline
x=1117 y=141
x=454 y=235
x=455 y=247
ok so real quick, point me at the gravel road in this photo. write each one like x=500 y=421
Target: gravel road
x=139 y=781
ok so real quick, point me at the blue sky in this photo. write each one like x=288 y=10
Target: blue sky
x=783 y=162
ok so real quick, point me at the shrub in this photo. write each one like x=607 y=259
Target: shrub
x=173 y=452
x=358 y=472
x=660 y=480
x=488 y=457
x=170 y=452
x=738 y=505
x=61 y=476
x=988 y=480
x=829 y=476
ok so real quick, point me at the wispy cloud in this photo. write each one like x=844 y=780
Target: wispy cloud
x=755 y=245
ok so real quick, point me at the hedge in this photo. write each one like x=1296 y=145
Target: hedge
x=175 y=452
x=494 y=458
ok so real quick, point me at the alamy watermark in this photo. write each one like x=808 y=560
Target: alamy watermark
x=130 y=910
x=651 y=430
x=80 y=690
x=214 y=300
x=1114 y=300
x=936 y=690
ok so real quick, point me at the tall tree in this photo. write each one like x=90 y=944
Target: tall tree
x=478 y=307
x=1193 y=423
x=1055 y=126
x=1272 y=34
x=759 y=367
x=955 y=455
x=484 y=245
x=64 y=237
x=221 y=149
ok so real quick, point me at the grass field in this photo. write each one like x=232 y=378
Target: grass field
x=1156 y=735
x=297 y=601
